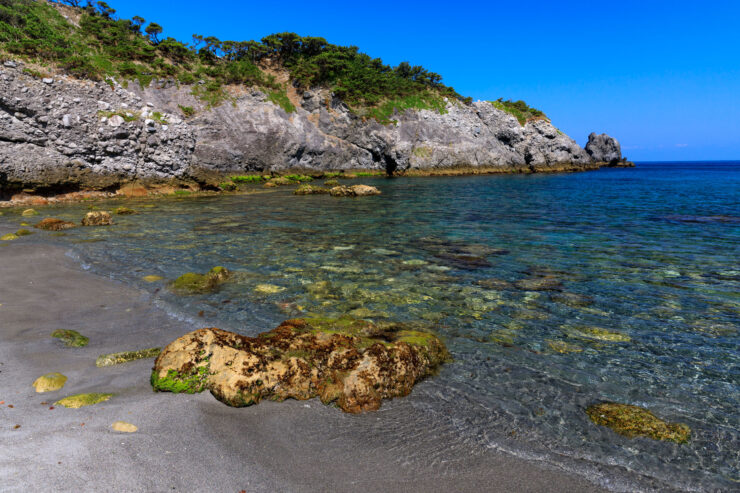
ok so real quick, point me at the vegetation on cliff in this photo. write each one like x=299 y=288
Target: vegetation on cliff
x=520 y=110
x=91 y=42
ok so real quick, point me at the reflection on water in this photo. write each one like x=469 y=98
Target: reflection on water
x=552 y=292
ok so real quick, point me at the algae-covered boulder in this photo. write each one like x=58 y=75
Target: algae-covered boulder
x=353 y=363
x=353 y=191
x=9 y=237
x=124 y=427
x=633 y=421
x=81 y=400
x=124 y=211
x=97 y=218
x=126 y=356
x=333 y=182
x=49 y=382
x=71 y=338
x=268 y=289
x=54 y=224
x=29 y=213
x=306 y=189
x=193 y=283
x=23 y=232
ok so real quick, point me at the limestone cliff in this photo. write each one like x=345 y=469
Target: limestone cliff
x=67 y=133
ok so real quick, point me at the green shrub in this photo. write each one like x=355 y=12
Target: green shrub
x=520 y=110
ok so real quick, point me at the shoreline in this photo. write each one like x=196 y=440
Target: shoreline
x=193 y=441
x=18 y=195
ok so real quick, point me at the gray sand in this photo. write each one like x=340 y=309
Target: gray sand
x=193 y=442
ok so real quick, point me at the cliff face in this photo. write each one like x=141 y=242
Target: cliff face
x=70 y=133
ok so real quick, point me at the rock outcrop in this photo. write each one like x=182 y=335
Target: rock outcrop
x=353 y=363
x=605 y=149
x=65 y=133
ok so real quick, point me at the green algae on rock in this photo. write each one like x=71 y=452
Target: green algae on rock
x=97 y=218
x=152 y=278
x=9 y=237
x=193 y=283
x=23 y=232
x=71 y=338
x=81 y=400
x=306 y=189
x=353 y=191
x=49 y=382
x=597 y=334
x=633 y=421
x=54 y=224
x=268 y=289
x=124 y=427
x=353 y=363
x=126 y=356
x=29 y=213
x=124 y=211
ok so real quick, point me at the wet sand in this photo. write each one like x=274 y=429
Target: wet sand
x=193 y=442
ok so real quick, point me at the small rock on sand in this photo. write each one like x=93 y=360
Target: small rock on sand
x=124 y=427
x=49 y=382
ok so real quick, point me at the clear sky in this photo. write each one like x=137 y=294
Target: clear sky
x=663 y=77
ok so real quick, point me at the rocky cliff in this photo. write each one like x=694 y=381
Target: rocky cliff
x=64 y=133
x=604 y=149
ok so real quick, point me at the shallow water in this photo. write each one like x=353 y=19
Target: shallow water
x=649 y=255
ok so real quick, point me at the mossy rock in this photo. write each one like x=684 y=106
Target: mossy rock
x=563 y=347
x=597 y=334
x=97 y=218
x=633 y=421
x=71 y=338
x=54 y=224
x=193 y=283
x=126 y=356
x=81 y=400
x=352 y=363
x=152 y=278
x=9 y=237
x=310 y=190
x=268 y=289
x=124 y=427
x=49 y=382
x=29 y=213
x=332 y=183
x=124 y=211
x=23 y=232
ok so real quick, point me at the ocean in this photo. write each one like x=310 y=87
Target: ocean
x=553 y=292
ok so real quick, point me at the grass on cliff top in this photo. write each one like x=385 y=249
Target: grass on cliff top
x=520 y=110
x=96 y=44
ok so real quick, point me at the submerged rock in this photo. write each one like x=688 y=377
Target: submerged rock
x=597 y=334
x=353 y=191
x=332 y=182
x=268 y=289
x=545 y=283
x=126 y=356
x=82 y=400
x=152 y=278
x=23 y=232
x=633 y=421
x=9 y=237
x=97 y=218
x=29 y=213
x=193 y=283
x=354 y=363
x=71 y=338
x=495 y=284
x=310 y=190
x=54 y=224
x=572 y=299
x=125 y=211
x=49 y=382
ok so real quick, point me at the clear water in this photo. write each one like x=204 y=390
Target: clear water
x=653 y=253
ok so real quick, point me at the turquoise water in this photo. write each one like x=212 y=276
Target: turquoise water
x=647 y=256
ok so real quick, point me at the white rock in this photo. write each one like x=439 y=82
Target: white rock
x=165 y=127
x=151 y=105
x=67 y=121
x=103 y=106
x=149 y=122
x=47 y=81
x=116 y=121
x=10 y=64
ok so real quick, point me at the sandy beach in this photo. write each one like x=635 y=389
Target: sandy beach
x=193 y=442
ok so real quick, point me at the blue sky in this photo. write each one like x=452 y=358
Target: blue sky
x=662 y=77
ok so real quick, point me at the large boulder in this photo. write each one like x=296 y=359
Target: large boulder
x=604 y=149
x=353 y=363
